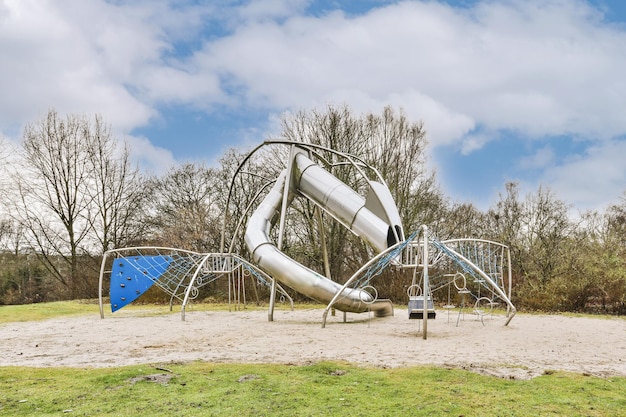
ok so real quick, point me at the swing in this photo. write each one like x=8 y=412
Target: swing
x=416 y=304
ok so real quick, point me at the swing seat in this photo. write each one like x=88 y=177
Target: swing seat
x=416 y=307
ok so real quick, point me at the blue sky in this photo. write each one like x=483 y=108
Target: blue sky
x=512 y=90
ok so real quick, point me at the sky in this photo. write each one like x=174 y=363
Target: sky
x=531 y=91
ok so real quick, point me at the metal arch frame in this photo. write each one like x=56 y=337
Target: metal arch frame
x=412 y=259
x=240 y=262
x=360 y=166
x=294 y=148
x=120 y=251
x=506 y=254
x=497 y=288
x=353 y=278
x=186 y=280
x=306 y=146
x=423 y=233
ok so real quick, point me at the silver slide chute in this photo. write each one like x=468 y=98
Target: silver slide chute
x=375 y=219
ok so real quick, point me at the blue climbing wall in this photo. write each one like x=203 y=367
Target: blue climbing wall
x=132 y=276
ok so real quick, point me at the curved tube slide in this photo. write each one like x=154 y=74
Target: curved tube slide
x=375 y=219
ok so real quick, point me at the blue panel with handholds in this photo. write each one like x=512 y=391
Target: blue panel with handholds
x=133 y=276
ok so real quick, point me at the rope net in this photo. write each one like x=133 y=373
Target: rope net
x=135 y=270
x=464 y=256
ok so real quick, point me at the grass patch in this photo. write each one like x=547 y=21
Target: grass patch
x=44 y=311
x=325 y=389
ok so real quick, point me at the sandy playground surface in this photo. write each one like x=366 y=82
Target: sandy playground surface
x=529 y=346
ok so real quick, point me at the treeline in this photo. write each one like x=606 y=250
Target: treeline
x=72 y=192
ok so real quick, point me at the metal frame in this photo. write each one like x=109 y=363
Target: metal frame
x=215 y=265
x=309 y=149
x=371 y=223
x=416 y=253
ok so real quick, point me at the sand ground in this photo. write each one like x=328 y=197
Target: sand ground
x=529 y=346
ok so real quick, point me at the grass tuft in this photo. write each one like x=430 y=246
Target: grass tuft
x=324 y=389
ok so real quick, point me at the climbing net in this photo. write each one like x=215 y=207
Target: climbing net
x=478 y=270
x=379 y=264
x=177 y=272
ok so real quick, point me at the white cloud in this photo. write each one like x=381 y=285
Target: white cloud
x=542 y=158
x=537 y=68
x=540 y=68
x=152 y=159
x=534 y=69
x=94 y=56
x=271 y=9
x=50 y=61
x=593 y=180
x=474 y=141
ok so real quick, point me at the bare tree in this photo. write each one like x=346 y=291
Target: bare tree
x=616 y=222
x=254 y=176
x=186 y=213
x=7 y=228
x=73 y=195
x=545 y=226
x=388 y=142
x=53 y=205
x=397 y=148
x=461 y=220
x=541 y=242
x=116 y=189
x=612 y=260
x=5 y=224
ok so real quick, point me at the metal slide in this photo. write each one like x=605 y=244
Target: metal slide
x=375 y=219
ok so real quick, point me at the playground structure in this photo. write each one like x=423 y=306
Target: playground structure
x=478 y=270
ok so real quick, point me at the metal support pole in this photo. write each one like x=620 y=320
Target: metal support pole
x=320 y=225
x=100 y=289
x=508 y=255
x=270 y=313
x=281 y=227
x=426 y=283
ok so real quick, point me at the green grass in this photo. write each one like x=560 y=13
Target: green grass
x=43 y=311
x=325 y=389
